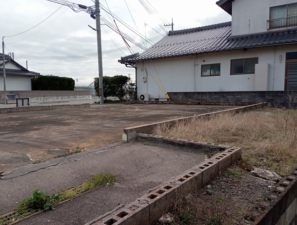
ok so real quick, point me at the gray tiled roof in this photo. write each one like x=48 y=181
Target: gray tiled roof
x=214 y=38
x=19 y=72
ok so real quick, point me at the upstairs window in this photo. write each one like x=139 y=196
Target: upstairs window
x=243 y=66
x=211 y=70
x=283 y=16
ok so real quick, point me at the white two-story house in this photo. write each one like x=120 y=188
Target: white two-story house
x=255 y=52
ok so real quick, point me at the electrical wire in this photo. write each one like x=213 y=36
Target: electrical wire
x=112 y=26
x=124 y=23
x=39 y=29
x=132 y=18
x=36 y=25
x=112 y=40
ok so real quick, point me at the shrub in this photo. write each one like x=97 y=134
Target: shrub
x=53 y=83
x=112 y=86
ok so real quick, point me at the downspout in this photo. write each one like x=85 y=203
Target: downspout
x=194 y=74
x=135 y=94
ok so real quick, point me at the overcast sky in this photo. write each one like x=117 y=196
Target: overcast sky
x=64 y=45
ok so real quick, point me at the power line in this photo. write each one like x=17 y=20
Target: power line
x=132 y=18
x=39 y=29
x=112 y=40
x=35 y=25
x=124 y=23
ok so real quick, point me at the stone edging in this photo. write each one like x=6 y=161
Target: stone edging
x=41 y=108
x=147 y=209
x=130 y=133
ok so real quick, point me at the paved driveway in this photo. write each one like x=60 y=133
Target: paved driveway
x=41 y=135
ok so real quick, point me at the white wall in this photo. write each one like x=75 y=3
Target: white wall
x=250 y=16
x=180 y=74
x=10 y=65
x=16 y=83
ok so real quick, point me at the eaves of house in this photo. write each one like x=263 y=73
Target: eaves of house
x=22 y=71
x=207 y=39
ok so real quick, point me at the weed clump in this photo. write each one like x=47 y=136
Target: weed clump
x=41 y=201
x=38 y=201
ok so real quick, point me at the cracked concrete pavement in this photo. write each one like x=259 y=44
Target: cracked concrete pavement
x=34 y=135
x=137 y=166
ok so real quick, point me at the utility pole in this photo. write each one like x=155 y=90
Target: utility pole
x=4 y=75
x=99 y=46
x=169 y=25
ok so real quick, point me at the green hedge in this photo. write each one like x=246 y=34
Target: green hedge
x=53 y=83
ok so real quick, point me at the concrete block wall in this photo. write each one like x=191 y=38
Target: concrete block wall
x=273 y=98
x=50 y=96
x=280 y=206
x=131 y=133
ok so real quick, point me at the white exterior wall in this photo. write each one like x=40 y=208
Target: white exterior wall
x=10 y=65
x=250 y=16
x=180 y=74
x=16 y=83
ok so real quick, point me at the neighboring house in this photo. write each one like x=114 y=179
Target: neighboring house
x=18 y=78
x=257 y=51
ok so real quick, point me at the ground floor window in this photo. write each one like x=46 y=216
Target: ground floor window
x=243 y=66
x=211 y=70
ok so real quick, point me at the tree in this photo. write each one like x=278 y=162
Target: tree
x=112 y=86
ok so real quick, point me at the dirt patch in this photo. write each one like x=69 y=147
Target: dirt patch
x=229 y=200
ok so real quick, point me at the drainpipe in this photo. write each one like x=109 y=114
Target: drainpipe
x=136 y=94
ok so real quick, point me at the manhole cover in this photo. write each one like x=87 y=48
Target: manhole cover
x=58 y=151
x=13 y=158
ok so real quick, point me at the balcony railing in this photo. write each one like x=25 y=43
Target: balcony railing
x=285 y=22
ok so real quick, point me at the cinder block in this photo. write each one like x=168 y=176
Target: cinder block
x=209 y=170
x=188 y=183
x=236 y=154
x=138 y=213
x=160 y=201
x=290 y=213
x=224 y=159
x=282 y=220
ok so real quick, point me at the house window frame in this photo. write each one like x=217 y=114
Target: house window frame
x=216 y=75
x=287 y=8
x=243 y=66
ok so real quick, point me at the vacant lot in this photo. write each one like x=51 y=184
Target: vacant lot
x=41 y=135
x=267 y=137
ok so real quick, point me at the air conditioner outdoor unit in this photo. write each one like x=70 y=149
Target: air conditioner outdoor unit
x=144 y=97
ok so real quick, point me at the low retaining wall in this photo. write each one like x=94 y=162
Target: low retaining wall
x=49 y=96
x=280 y=206
x=149 y=208
x=273 y=98
x=130 y=133
x=41 y=108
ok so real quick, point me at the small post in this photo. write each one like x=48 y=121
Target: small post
x=27 y=64
x=172 y=25
x=4 y=75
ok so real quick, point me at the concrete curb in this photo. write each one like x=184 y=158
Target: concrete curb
x=149 y=208
x=130 y=133
x=41 y=108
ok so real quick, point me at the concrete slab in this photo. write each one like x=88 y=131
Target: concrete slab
x=139 y=167
x=35 y=133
